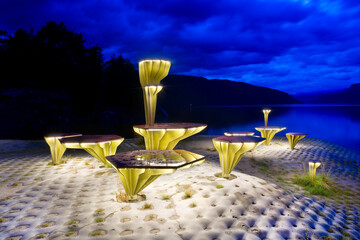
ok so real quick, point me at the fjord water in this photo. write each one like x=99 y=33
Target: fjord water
x=338 y=124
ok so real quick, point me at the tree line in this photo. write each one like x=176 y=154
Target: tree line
x=64 y=84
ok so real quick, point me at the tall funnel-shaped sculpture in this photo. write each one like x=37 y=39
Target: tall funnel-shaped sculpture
x=266 y=116
x=151 y=72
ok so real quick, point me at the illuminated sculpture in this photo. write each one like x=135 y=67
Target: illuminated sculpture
x=57 y=150
x=294 y=138
x=269 y=132
x=232 y=148
x=137 y=169
x=266 y=115
x=99 y=146
x=312 y=169
x=151 y=72
x=162 y=136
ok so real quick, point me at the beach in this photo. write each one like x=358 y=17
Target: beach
x=81 y=200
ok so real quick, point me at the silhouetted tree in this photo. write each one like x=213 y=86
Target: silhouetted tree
x=122 y=83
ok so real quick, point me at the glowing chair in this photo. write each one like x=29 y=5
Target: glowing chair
x=99 y=146
x=151 y=72
x=165 y=136
x=57 y=150
x=312 y=169
x=294 y=137
x=266 y=115
x=231 y=149
x=137 y=169
x=269 y=132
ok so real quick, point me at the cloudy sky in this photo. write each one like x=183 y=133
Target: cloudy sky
x=297 y=46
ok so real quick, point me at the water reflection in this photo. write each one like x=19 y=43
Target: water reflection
x=338 y=124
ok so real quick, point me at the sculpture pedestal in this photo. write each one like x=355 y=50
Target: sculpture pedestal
x=269 y=132
x=137 y=169
x=57 y=150
x=232 y=148
x=99 y=146
x=165 y=136
x=294 y=138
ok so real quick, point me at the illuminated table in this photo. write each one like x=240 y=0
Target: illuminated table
x=56 y=148
x=239 y=133
x=294 y=138
x=232 y=148
x=269 y=132
x=98 y=146
x=165 y=136
x=137 y=169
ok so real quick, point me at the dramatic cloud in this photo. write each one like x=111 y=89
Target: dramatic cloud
x=296 y=46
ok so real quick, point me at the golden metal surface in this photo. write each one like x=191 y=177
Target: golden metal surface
x=137 y=169
x=312 y=169
x=166 y=138
x=294 y=139
x=269 y=132
x=230 y=153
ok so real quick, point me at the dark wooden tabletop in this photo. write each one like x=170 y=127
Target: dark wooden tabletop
x=296 y=133
x=271 y=127
x=60 y=135
x=239 y=139
x=171 y=125
x=157 y=159
x=240 y=133
x=91 y=139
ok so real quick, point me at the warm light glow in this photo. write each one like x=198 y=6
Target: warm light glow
x=294 y=138
x=269 y=132
x=312 y=169
x=230 y=153
x=165 y=138
x=148 y=166
x=266 y=115
x=152 y=71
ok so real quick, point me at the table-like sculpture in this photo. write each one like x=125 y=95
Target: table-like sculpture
x=239 y=133
x=269 y=132
x=232 y=148
x=57 y=150
x=163 y=136
x=137 y=169
x=98 y=146
x=294 y=138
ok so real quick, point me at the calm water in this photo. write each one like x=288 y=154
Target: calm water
x=338 y=124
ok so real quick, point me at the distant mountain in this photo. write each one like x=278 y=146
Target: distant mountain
x=181 y=91
x=350 y=95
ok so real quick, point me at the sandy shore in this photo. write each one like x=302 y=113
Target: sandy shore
x=77 y=200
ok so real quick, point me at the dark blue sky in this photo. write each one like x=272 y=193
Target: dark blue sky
x=297 y=46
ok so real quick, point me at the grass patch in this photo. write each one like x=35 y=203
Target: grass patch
x=100 y=210
x=147 y=206
x=41 y=235
x=68 y=234
x=193 y=205
x=321 y=185
x=188 y=194
x=99 y=220
x=72 y=222
x=219 y=186
x=165 y=197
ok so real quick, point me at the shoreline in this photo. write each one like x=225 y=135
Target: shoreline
x=77 y=200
